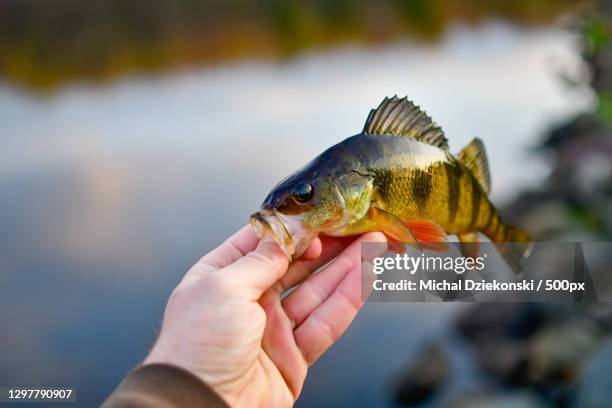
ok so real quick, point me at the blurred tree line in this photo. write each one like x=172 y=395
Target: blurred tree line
x=45 y=43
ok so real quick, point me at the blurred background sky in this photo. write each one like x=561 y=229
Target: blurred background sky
x=136 y=136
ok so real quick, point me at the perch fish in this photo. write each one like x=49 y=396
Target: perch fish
x=398 y=177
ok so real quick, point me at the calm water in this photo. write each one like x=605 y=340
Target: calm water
x=108 y=194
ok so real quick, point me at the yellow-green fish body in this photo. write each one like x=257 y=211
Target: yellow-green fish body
x=397 y=176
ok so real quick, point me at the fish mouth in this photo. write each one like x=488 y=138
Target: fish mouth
x=287 y=231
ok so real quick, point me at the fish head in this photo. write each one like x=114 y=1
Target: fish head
x=320 y=198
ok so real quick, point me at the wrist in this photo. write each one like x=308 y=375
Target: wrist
x=160 y=354
x=169 y=354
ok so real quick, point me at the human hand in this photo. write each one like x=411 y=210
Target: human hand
x=228 y=323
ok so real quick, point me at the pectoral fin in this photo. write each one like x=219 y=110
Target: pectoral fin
x=469 y=244
x=392 y=226
x=418 y=233
x=395 y=246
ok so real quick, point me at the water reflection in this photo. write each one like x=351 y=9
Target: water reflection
x=109 y=194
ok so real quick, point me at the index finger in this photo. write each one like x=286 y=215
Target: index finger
x=303 y=268
x=237 y=246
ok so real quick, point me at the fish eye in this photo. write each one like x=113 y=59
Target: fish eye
x=303 y=192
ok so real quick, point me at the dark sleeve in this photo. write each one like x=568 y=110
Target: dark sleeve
x=163 y=386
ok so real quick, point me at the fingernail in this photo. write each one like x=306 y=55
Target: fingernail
x=269 y=248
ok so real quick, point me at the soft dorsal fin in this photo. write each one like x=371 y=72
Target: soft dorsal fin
x=400 y=117
x=473 y=157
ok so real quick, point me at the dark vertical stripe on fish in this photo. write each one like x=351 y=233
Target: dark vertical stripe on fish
x=489 y=218
x=475 y=204
x=421 y=187
x=383 y=181
x=453 y=176
x=500 y=231
x=495 y=226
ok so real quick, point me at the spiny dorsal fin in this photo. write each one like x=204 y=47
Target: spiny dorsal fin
x=473 y=157
x=400 y=117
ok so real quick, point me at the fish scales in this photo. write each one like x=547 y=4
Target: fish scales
x=426 y=184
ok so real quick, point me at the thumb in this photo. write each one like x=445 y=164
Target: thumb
x=259 y=269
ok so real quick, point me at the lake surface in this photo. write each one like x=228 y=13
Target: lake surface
x=109 y=193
